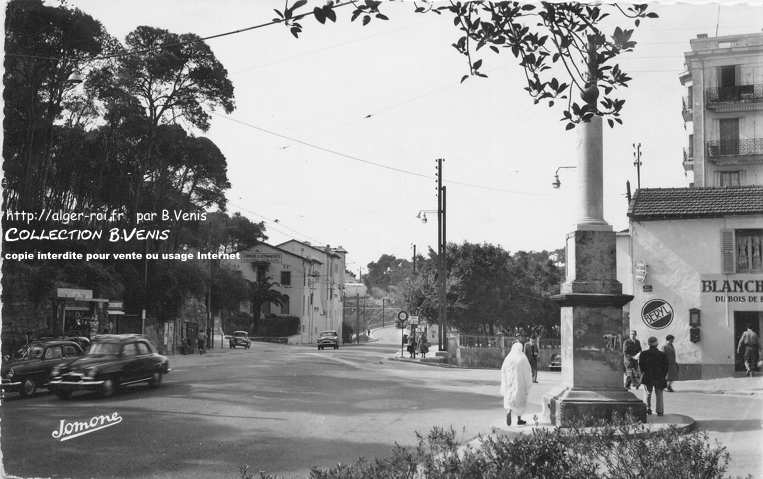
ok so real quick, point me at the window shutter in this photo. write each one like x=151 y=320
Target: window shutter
x=727 y=251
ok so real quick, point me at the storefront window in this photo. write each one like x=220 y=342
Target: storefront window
x=748 y=251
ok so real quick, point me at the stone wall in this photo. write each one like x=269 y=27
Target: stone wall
x=474 y=357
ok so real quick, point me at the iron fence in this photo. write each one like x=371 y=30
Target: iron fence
x=729 y=147
x=737 y=93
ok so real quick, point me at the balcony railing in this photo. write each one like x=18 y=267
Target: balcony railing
x=735 y=147
x=688 y=162
x=738 y=93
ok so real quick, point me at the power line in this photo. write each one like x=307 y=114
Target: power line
x=368 y=162
x=277 y=229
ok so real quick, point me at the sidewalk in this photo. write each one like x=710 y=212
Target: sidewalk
x=737 y=386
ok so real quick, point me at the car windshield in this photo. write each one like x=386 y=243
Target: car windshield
x=328 y=333
x=240 y=334
x=99 y=349
x=30 y=352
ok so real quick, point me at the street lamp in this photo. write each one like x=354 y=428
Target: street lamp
x=556 y=184
x=422 y=215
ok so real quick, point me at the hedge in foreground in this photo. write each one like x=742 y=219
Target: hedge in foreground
x=610 y=452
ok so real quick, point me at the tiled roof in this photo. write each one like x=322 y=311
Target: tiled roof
x=666 y=203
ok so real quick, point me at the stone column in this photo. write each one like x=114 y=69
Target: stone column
x=591 y=303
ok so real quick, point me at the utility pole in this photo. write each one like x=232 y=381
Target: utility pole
x=441 y=256
x=414 y=259
x=383 y=312
x=357 y=318
x=637 y=163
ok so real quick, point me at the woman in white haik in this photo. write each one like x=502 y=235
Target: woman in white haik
x=516 y=380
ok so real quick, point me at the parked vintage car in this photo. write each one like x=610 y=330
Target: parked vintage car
x=328 y=339
x=240 y=338
x=113 y=361
x=33 y=363
x=556 y=363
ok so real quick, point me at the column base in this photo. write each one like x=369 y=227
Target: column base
x=568 y=407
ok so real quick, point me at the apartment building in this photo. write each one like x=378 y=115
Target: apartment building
x=723 y=110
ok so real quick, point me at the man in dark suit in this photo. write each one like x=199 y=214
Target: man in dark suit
x=654 y=369
x=531 y=351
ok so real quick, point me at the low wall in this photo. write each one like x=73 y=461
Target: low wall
x=492 y=357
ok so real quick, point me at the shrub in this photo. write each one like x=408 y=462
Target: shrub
x=613 y=451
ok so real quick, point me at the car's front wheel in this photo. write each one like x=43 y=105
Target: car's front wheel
x=108 y=387
x=64 y=394
x=156 y=380
x=28 y=387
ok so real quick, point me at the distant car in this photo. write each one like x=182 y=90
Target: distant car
x=34 y=362
x=328 y=339
x=556 y=363
x=240 y=338
x=113 y=360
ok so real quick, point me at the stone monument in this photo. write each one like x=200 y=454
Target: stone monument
x=591 y=303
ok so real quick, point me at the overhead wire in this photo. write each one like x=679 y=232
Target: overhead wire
x=369 y=162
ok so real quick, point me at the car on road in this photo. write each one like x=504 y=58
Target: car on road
x=328 y=339
x=113 y=361
x=240 y=338
x=33 y=364
x=556 y=363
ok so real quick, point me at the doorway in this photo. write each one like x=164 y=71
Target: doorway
x=743 y=319
x=729 y=132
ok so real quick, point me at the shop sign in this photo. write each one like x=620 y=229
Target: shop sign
x=657 y=314
x=72 y=293
x=740 y=289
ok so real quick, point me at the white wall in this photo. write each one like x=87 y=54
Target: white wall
x=679 y=254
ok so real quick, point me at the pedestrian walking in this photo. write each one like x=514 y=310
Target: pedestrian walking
x=531 y=351
x=748 y=348
x=631 y=348
x=202 y=339
x=670 y=353
x=412 y=345
x=654 y=370
x=423 y=346
x=516 y=381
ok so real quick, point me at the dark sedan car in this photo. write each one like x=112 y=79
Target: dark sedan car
x=328 y=339
x=34 y=362
x=240 y=338
x=112 y=361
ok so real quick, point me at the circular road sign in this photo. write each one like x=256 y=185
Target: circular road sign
x=402 y=315
x=657 y=313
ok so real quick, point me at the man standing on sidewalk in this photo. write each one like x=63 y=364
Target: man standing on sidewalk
x=654 y=369
x=631 y=347
x=531 y=351
x=748 y=347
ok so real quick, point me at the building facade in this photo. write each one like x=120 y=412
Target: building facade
x=723 y=110
x=326 y=284
x=305 y=276
x=692 y=260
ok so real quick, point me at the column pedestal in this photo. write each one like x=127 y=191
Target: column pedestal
x=591 y=303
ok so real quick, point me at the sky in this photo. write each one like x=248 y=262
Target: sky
x=311 y=113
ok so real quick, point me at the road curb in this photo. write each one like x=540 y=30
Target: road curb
x=654 y=425
x=423 y=363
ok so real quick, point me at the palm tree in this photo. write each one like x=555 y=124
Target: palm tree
x=261 y=293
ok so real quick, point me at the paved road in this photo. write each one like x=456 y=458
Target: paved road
x=285 y=408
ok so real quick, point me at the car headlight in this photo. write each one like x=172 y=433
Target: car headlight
x=91 y=372
x=10 y=373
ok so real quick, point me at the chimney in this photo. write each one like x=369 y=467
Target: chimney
x=702 y=35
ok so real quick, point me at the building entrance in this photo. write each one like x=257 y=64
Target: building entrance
x=742 y=319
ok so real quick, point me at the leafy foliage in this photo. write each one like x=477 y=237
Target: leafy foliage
x=544 y=38
x=613 y=451
x=488 y=289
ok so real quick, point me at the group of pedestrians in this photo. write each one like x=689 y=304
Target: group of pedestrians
x=417 y=343
x=653 y=368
